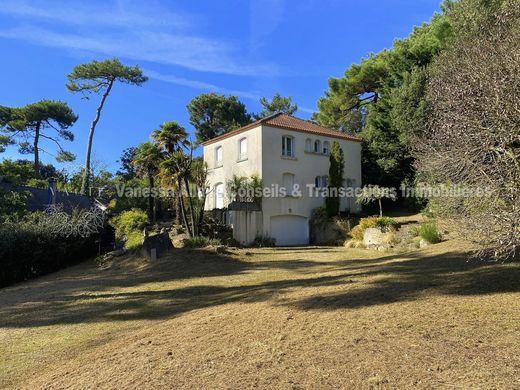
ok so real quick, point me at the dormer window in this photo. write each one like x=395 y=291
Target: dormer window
x=218 y=156
x=287 y=146
x=242 y=149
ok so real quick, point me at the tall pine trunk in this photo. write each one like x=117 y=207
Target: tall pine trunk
x=86 y=171
x=36 y=151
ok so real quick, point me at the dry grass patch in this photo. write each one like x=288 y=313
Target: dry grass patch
x=267 y=318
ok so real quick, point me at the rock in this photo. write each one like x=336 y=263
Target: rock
x=116 y=253
x=373 y=238
x=160 y=242
x=220 y=249
x=178 y=240
x=423 y=243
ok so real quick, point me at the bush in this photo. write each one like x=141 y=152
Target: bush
x=263 y=242
x=129 y=222
x=134 y=240
x=201 y=242
x=384 y=223
x=32 y=247
x=429 y=232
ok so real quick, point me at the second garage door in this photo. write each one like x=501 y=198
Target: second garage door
x=290 y=230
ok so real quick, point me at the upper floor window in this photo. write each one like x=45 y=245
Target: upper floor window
x=326 y=148
x=308 y=145
x=242 y=149
x=317 y=181
x=287 y=146
x=218 y=156
x=317 y=146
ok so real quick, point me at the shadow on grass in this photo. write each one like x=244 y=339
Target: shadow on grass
x=87 y=295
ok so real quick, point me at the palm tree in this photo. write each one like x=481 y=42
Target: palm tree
x=146 y=160
x=173 y=138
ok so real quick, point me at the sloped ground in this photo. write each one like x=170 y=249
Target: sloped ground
x=273 y=318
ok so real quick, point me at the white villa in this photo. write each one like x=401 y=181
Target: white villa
x=285 y=152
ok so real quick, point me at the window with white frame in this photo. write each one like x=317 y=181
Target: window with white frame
x=218 y=156
x=287 y=146
x=288 y=182
x=242 y=149
x=326 y=148
x=317 y=146
x=219 y=196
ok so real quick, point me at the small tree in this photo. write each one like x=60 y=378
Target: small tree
x=336 y=171
x=172 y=138
x=277 y=104
x=98 y=77
x=146 y=160
x=29 y=125
x=371 y=194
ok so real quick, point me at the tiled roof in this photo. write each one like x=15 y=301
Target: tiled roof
x=288 y=122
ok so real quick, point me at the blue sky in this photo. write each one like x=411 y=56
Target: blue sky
x=246 y=48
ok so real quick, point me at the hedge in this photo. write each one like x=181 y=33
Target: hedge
x=28 y=250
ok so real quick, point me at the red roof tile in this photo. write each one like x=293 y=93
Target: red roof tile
x=287 y=122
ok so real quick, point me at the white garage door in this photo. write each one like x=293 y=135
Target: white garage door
x=290 y=230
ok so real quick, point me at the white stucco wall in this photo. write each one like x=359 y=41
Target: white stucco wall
x=265 y=158
x=231 y=164
x=305 y=167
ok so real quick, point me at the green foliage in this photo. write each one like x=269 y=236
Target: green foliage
x=201 y=242
x=134 y=240
x=213 y=115
x=171 y=136
x=31 y=122
x=38 y=183
x=94 y=76
x=12 y=205
x=30 y=247
x=336 y=171
x=16 y=172
x=429 y=232
x=128 y=222
x=277 y=104
x=383 y=98
x=251 y=186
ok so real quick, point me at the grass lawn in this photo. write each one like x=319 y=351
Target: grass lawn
x=267 y=318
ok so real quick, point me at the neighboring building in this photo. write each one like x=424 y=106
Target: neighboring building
x=286 y=152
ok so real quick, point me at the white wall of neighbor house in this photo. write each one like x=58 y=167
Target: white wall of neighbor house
x=305 y=165
x=233 y=163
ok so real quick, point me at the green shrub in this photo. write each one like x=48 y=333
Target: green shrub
x=129 y=222
x=429 y=232
x=12 y=205
x=134 y=240
x=201 y=242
